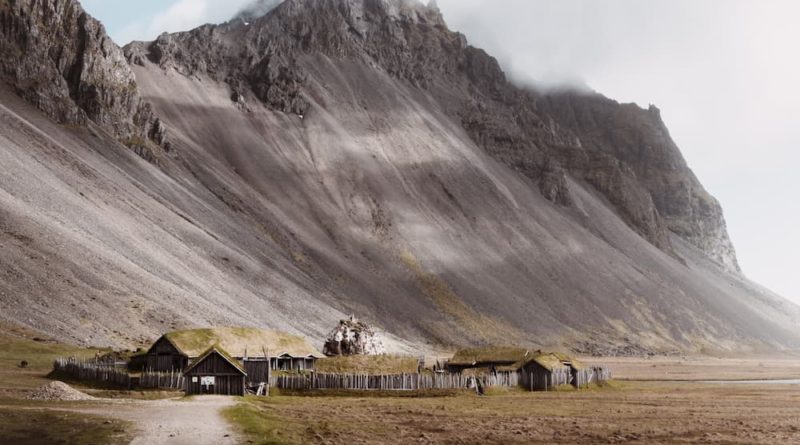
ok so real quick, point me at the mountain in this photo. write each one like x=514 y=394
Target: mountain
x=336 y=157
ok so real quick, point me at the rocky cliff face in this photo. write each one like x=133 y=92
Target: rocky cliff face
x=639 y=139
x=349 y=156
x=624 y=152
x=58 y=57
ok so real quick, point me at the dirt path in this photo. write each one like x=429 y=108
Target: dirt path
x=195 y=421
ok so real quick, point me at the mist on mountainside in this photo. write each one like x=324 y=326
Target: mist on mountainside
x=369 y=162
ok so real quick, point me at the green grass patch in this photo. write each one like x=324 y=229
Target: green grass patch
x=17 y=345
x=39 y=353
x=263 y=426
x=50 y=427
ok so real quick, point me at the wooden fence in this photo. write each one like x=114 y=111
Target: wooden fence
x=545 y=381
x=398 y=382
x=162 y=380
x=594 y=374
x=110 y=375
x=100 y=372
x=426 y=381
x=91 y=371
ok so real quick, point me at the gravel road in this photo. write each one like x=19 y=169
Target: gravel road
x=194 y=421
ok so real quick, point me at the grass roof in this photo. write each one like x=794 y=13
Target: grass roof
x=547 y=361
x=369 y=364
x=239 y=342
x=510 y=358
x=489 y=354
x=219 y=351
x=577 y=364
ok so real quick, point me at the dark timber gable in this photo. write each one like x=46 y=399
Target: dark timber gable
x=215 y=373
x=163 y=356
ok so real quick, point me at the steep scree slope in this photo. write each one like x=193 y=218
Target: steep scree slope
x=356 y=156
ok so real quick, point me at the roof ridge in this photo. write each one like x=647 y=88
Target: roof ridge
x=222 y=353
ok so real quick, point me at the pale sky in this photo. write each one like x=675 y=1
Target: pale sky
x=725 y=74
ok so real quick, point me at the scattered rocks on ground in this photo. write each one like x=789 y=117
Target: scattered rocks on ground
x=58 y=391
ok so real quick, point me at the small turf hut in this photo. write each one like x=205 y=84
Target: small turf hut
x=257 y=350
x=536 y=370
x=543 y=372
x=215 y=372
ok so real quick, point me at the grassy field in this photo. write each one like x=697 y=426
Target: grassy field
x=16 y=345
x=629 y=412
x=703 y=368
x=22 y=426
x=27 y=422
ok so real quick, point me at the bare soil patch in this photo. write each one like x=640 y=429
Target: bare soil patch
x=702 y=368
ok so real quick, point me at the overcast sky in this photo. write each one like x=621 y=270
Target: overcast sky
x=725 y=74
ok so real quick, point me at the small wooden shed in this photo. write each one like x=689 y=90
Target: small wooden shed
x=543 y=372
x=165 y=356
x=215 y=372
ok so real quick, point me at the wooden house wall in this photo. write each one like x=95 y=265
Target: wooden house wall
x=292 y=363
x=164 y=357
x=224 y=385
x=229 y=380
x=535 y=377
x=257 y=371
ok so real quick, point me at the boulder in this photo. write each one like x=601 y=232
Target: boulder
x=353 y=337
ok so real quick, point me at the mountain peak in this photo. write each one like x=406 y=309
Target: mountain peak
x=339 y=156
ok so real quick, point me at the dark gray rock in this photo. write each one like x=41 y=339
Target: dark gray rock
x=60 y=59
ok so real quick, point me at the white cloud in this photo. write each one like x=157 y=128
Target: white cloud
x=181 y=15
x=723 y=72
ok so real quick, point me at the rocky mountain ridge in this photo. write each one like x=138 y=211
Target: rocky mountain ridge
x=637 y=167
x=349 y=156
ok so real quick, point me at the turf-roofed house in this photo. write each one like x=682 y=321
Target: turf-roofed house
x=535 y=370
x=256 y=351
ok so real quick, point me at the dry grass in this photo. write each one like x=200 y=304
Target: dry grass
x=490 y=354
x=635 y=413
x=17 y=345
x=702 y=368
x=46 y=427
x=237 y=341
x=368 y=364
x=479 y=326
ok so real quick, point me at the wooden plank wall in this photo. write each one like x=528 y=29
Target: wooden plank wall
x=110 y=375
x=257 y=371
x=227 y=385
x=398 y=382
